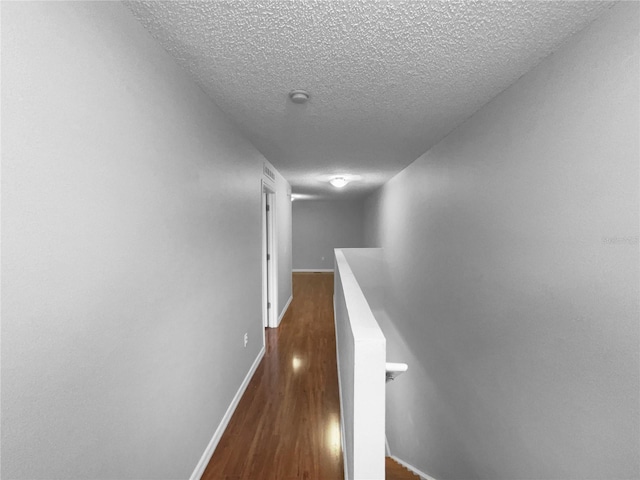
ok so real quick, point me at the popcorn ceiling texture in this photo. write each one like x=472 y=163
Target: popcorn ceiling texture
x=387 y=79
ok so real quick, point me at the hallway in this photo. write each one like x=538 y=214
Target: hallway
x=287 y=424
x=488 y=150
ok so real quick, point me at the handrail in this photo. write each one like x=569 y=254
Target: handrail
x=393 y=370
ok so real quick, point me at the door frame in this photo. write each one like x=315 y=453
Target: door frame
x=269 y=275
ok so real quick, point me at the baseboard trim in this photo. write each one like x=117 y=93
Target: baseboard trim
x=208 y=453
x=312 y=270
x=422 y=475
x=345 y=464
x=284 y=310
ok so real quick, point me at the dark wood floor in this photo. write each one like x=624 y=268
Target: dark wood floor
x=287 y=424
x=395 y=471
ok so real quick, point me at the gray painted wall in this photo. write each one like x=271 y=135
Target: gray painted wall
x=512 y=255
x=130 y=250
x=319 y=226
x=284 y=241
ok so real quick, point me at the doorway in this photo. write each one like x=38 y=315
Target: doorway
x=269 y=265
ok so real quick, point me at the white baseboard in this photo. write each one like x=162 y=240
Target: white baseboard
x=312 y=270
x=284 y=310
x=422 y=475
x=208 y=453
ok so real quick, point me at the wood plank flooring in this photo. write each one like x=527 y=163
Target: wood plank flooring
x=287 y=424
x=395 y=471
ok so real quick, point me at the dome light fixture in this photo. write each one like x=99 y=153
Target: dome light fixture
x=338 y=182
x=298 y=96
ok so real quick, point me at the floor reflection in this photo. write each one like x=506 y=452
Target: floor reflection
x=287 y=424
x=296 y=363
x=333 y=437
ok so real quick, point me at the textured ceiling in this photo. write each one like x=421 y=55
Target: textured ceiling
x=387 y=79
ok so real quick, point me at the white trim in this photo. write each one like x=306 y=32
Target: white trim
x=273 y=271
x=269 y=318
x=386 y=447
x=308 y=270
x=284 y=310
x=263 y=253
x=345 y=464
x=422 y=475
x=206 y=456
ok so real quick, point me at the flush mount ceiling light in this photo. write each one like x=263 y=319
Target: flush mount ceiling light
x=338 y=182
x=298 y=96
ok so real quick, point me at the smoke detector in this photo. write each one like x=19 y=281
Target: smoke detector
x=298 y=96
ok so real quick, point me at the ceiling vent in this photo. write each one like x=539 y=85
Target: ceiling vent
x=268 y=172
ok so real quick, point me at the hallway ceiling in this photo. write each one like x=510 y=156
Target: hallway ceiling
x=387 y=79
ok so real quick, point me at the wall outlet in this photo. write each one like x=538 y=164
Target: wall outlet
x=246 y=339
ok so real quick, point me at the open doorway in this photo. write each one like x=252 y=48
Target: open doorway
x=269 y=265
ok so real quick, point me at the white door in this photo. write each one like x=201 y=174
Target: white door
x=268 y=267
x=268 y=257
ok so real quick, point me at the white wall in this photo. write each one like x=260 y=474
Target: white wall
x=319 y=226
x=130 y=250
x=512 y=249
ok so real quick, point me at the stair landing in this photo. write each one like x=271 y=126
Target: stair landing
x=395 y=471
